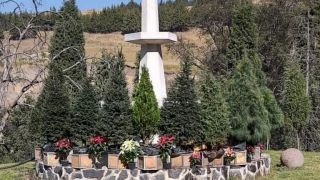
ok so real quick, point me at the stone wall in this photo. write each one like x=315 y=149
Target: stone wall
x=250 y=171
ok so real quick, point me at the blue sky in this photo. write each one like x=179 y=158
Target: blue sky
x=46 y=4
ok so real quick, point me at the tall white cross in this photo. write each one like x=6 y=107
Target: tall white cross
x=150 y=40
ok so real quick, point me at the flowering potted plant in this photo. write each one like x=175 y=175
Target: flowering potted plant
x=195 y=159
x=166 y=145
x=63 y=147
x=250 y=153
x=98 y=145
x=229 y=155
x=130 y=150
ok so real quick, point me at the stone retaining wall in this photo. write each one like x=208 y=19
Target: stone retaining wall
x=250 y=171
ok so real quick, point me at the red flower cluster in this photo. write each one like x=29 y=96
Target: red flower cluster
x=229 y=152
x=165 y=139
x=63 y=143
x=97 y=140
x=261 y=146
x=250 y=149
x=196 y=155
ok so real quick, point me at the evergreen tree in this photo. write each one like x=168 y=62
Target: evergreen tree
x=214 y=111
x=248 y=114
x=67 y=47
x=180 y=114
x=296 y=104
x=116 y=122
x=55 y=108
x=146 y=112
x=86 y=114
x=243 y=33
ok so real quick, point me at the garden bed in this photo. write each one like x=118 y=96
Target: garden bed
x=249 y=171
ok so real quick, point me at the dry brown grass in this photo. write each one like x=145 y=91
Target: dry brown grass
x=95 y=43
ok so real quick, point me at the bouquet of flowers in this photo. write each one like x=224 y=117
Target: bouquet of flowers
x=98 y=145
x=130 y=150
x=63 y=147
x=166 y=145
x=195 y=159
x=229 y=155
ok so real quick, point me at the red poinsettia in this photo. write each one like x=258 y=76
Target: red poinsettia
x=250 y=149
x=63 y=143
x=195 y=158
x=97 y=140
x=166 y=139
x=261 y=146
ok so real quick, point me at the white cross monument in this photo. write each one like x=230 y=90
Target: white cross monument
x=151 y=39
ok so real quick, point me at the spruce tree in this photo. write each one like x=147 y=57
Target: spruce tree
x=214 y=111
x=116 y=114
x=248 y=114
x=296 y=104
x=86 y=112
x=146 y=112
x=180 y=114
x=55 y=108
x=67 y=47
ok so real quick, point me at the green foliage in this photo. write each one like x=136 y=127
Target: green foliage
x=249 y=116
x=214 y=111
x=180 y=114
x=18 y=138
x=116 y=114
x=243 y=34
x=86 y=112
x=296 y=104
x=67 y=47
x=146 y=112
x=54 y=112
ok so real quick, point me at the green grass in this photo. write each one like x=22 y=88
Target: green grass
x=22 y=172
x=310 y=170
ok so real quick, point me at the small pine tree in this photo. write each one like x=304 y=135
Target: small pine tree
x=116 y=114
x=86 y=112
x=214 y=111
x=146 y=112
x=180 y=114
x=248 y=115
x=67 y=47
x=296 y=104
x=55 y=108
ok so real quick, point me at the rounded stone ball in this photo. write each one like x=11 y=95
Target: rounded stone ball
x=292 y=158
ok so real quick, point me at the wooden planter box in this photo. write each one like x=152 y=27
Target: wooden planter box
x=181 y=161
x=81 y=161
x=38 y=154
x=218 y=162
x=150 y=163
x=257 y=153
x=204 y=160
x=50 y=159
x=241 y=158
x=114 y=162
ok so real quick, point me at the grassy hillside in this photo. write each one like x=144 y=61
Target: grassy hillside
x=310 y=171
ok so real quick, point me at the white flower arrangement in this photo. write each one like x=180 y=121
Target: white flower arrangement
x=130 y=150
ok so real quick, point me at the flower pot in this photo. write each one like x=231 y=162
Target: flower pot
x=81 y=161
x=64 y=162
x=218 y=162
x=166 y=165
x=51 y=159
x=131 y=165
x=181 y=160
x=240 y=159
x=100 y=161
x=149 y=163
x=114 y=162
x=257 y=153
x=227 y=161
x=38 y=153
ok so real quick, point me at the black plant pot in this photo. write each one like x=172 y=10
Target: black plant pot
x=166 y=165
x=64 y=162
x=131 y=165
